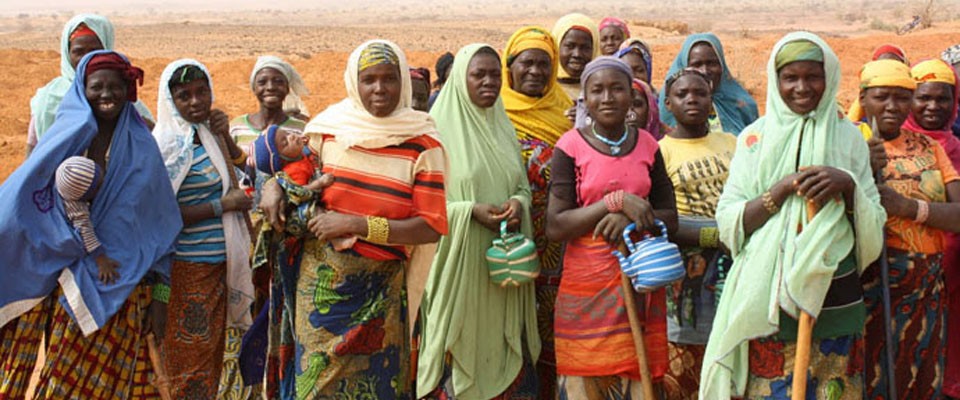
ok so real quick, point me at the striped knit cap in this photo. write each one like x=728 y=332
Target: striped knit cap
x=77 y=178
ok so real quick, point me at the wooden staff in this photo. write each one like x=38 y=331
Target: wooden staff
x=804 y=338
x=234 y=182
x=636 y=331
x=161 y=381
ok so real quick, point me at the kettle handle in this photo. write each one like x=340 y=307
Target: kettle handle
x=663 y=227
x=626 y=237
x=503 y=229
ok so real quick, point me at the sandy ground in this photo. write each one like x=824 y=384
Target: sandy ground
x=230 y=43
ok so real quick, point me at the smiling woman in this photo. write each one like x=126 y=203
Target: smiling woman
x=577 y=44
x=536 y=104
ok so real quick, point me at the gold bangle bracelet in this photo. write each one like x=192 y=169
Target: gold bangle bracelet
x=378 y=230
x=768 y=203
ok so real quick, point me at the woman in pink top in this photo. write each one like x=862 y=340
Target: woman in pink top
x=605 y=175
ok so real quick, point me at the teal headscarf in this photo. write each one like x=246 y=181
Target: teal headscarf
x=733 y=104
x=44 y=104
x=776 y=268
x=479 y=324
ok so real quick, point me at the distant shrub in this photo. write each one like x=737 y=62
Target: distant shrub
x=879 y=25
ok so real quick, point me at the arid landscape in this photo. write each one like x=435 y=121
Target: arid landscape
x=229 y=35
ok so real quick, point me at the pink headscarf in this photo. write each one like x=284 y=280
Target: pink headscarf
x=653 y=110
x=617 y=22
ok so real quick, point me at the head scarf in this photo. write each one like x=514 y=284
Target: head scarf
x=265 y=151
x=443 y=68
x=135 y=218
x=77 y=178
x=800 y=50
x=537 y=117
x=877 y=74
x=598 y=64
x=420 y=73
x=174 y=136
x=615 y=22
x=937 y=70
x=353 y=125
x=298 y=89
x=43 y=105
x=640 y=47
x=653 y=111
x=796 y=274
x=951 y=55
x=579 y=22
x=733 y=104
x=82 y=31
x=133 y=75
x=890 y=49
x=485 y=166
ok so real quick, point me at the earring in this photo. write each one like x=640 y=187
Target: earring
x=631 y=116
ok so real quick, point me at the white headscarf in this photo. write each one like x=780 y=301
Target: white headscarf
x=174 y=136
x=353 y=125
x=298 y=89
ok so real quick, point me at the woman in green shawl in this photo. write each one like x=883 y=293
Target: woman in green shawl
x=82 y=34
x=479 y=340
x=787 y=258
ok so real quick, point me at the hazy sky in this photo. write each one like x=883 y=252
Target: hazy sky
x=104 y=6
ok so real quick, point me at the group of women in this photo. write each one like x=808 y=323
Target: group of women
x=381 y=287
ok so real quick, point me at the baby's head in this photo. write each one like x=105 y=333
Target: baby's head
x=78 y=178
x=277 y=147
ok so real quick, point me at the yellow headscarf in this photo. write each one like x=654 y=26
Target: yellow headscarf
x=935 y=70
x=537 y=117
x=575 y=20
x=881 y=73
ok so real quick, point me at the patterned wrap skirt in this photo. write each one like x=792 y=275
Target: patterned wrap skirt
x=918 y=305
x=19 y=345
x=111 y=363
x=835 y=372
x=351 y=327
x=196 y=323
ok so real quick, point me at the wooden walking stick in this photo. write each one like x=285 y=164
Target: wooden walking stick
x=234 y=182
x=804 y=338
x=636 y=331
x=161 y=381
x=885 y=292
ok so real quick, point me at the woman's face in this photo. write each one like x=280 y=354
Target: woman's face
x=82 y=45
x=379 y=87
x=801 y=85
x=106 y=91
x=421 y=94
x=271 y=88
x=608 y=96
x=193 y=100
x=933 y=105
x=610 y=39
x=639 y=68
x=530 y=72
x=888 y=105
x=704 y=58
x=484 y=79
x=576 y=50
x=641 y=108
x=689 y=100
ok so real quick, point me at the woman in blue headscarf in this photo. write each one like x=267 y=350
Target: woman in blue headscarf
x=95 y=330
x=81 y=34
x=733 y=107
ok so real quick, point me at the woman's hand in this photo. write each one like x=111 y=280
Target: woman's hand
x=820 y=184
x=896 y=204
x=155 y=319
x=512 y=212
x=639 y=210
x=878 y=155
x=272 y=203
x=487 y=215
x=236 y=200
x=611 y=227
x=331 y=225
x=571 y=113
x=220 y=124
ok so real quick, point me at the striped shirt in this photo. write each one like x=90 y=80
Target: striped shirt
x=395 y=182
x=78 y=212
x=202 y=242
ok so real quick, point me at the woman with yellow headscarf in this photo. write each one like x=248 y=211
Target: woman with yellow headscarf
x=536 y=105
x=578 y=42
x=919 y=189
